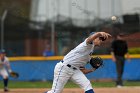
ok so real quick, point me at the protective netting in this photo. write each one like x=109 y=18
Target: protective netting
x=23 y=37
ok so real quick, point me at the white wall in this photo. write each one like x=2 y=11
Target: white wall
x=82 y=9
x=38 y=10
x=130 y=6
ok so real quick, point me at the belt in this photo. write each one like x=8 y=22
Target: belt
x=70 y=66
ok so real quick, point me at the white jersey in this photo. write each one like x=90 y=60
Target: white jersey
x=80 y=55
x=4 y=62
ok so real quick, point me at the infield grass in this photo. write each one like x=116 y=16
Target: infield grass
x=48 y=84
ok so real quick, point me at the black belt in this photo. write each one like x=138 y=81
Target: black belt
x=68 y=65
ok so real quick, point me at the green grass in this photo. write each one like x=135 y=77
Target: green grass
x=48 y=84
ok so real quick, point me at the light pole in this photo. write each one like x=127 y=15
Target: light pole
x=2 y=28
x=53 y=26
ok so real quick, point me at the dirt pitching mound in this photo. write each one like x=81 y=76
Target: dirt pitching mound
x=77 y=90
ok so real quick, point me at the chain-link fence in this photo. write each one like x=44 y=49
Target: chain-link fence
x=23 y=37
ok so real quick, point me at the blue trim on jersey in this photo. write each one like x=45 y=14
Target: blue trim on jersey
x=58 y=78
x=90 y=91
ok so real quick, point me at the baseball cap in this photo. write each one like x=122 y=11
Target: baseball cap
x=2 y=51
x=92 y=33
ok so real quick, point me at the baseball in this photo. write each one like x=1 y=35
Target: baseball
x=113 y=18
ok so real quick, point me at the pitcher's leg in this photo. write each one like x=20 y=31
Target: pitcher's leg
x=80 y=79
x=61 y=77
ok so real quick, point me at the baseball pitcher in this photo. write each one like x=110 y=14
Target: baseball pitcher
x=72 y=66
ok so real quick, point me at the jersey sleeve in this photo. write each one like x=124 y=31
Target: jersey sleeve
x=126 y=47
x=112 y=46
x=85 y=42
x=7 y=63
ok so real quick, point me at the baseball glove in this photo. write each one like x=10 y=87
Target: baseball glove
x=14 y=74
x=96 y=62
x=102 y=38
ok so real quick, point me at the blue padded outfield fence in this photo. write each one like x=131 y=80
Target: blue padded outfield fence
x=41 y=68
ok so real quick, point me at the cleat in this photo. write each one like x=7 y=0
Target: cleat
x=119 y=86
x=6 y=89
